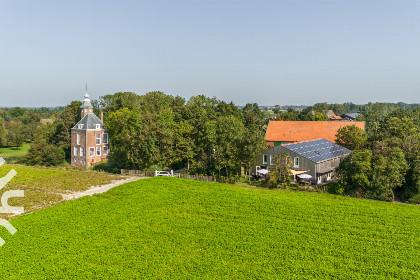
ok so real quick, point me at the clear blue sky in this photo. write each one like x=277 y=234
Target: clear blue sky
x=269 y=52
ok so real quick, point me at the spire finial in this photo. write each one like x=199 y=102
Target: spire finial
x=86 y=94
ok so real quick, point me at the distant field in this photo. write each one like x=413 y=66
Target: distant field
x=167 y=228
x=44 y=186
x=11 y=155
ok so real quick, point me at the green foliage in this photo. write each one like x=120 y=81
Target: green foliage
x=393 y=141
x=280 y=173
x=44 y=154
x=355 y=171
x=15 y=135
x=16 y=112
x=3 y=134
x=351 y=137
x=167 y=228
x=54 y=138
x=203 y=135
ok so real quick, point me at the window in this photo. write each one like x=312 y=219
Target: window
x=75 y=151
x=78 y=138
x=296 y=162
x=105 y=138
x=98 y=139
x=82 y=152
x=265 y=159
x=91 y=152
x=98 y=126
x=105 y=150
x=271 y=160
x=98 y=151
x=80 y=126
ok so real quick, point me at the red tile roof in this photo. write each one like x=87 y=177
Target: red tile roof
x=298 y=131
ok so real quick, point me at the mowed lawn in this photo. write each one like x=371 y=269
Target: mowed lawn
x=12 y=154
x=167 y=228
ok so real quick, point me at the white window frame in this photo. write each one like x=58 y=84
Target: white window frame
x=105 y=137
x=296 y=162
x=91 y=151
x=98 y=151
x=82 y=152
x=271 y=160
x=80 y=126
x=75 y=153
x=78 y=138
x=98 y=138
x=265 y=159
x=98 y=126
x=105 y=150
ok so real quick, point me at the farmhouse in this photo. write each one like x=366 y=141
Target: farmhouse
x=284 y=132
x=317 y=158
x=89 y=140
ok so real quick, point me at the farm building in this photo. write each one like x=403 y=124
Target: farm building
x=317 y=158
x=332 y=116
x=350 y=116
x=89 y=140
x=285 y=132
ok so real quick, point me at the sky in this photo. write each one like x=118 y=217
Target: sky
x=267 y=52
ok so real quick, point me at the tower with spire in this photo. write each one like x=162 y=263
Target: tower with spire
x=89 y=139
x=87 y=107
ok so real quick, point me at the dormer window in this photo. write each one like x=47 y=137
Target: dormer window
x=80 y=126
x=98 y=126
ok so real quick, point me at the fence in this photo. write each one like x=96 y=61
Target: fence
x=195 y=177
x=178 y=175
x=137 y=172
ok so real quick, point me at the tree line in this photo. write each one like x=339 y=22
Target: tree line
x=385 y=162
x=202 y=135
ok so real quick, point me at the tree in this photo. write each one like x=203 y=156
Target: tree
x=31 y=120
x=114 y=102
x=355 y=171
x=184 y=145
x=16 y=112
x=254 y=144
x=412 y=191
x=3 y=134
x=15 y=135
x=280 y=174
x=42 y=153
x=389 y=170
x=351 y=137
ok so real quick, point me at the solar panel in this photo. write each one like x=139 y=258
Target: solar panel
x=318 y=150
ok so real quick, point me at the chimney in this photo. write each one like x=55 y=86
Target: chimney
x=101 y=116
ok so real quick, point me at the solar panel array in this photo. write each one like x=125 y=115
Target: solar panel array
x=318 y=150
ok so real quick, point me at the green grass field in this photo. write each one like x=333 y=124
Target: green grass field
x=167 y=228
x=44 y=186
x=11 y=155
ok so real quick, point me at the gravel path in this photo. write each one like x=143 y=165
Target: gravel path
x=100 y=189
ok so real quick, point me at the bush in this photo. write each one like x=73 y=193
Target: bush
x=44 y=154
x=335 y=188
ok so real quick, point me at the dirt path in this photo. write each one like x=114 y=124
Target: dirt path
x=100 y=189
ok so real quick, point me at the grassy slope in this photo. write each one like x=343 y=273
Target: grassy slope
x=44 y=186
x=173 y=228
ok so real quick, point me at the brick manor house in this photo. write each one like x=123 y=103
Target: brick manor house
x=89 y=140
